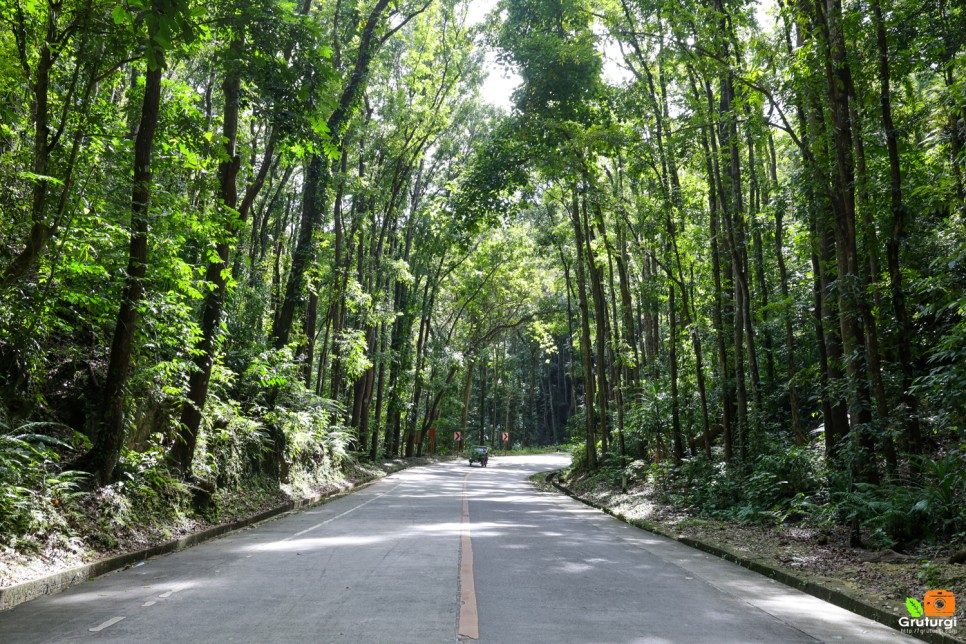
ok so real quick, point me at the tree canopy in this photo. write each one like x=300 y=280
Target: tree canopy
x=238 y=239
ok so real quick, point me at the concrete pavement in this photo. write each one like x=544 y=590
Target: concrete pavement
x=384 y=565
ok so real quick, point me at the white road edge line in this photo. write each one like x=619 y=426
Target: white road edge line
x=339 y=516
x=110 y=622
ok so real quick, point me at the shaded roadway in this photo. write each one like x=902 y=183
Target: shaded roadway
x=383 y=565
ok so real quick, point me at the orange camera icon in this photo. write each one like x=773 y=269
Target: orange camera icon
x=939 y=603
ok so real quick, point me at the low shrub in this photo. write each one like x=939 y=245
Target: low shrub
x=32 y=490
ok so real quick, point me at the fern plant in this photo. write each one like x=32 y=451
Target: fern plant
x=31 y=487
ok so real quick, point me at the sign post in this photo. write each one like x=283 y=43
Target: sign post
x=506 y=441
x=458 y=442
x=432 y=441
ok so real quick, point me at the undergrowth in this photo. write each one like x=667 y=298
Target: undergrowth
x=925 y=502
x=246 y=461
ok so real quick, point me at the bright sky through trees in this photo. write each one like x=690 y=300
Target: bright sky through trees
x=249 y=237
x=498 y=87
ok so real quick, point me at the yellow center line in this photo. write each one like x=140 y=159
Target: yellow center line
x=468 y=622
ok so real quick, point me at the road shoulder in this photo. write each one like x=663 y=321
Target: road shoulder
x=828 y=590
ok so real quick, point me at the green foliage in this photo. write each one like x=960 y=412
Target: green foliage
x=497 y=169
x=314 y=440
x=272 y=372
x=31 y=487
x=231 y=446
x=931 y=575
x=433 y=232
x=928 y=503
x=148 y=492
x=784 y=483
x=553 y=47
x=791 y=484
x=352 y=352
x=578 y=455
x=945 y=382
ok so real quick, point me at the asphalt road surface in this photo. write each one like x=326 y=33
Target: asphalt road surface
x=438 y=554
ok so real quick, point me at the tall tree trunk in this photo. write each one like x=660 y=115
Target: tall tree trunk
x=798 y=431
x=754 y=209
x=730 y=190
x=869 y=278
x=709 y=148
x=40 y=231
x=183 y=450
x=317 y=177
x=399 y=352
x=601 y=328
x=956 y=110
x=839 y=84
x=380 y=391
x=676 y=437
x=339 y=277
x=311 y=318
x=104 y=454
x=467 y=390
x=910 y=402
x=368 y=384
x=585 y=343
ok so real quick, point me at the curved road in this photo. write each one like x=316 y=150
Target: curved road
x=439 y=554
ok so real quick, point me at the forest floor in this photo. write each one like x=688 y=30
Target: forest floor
x=821 y=554
x=97 y=527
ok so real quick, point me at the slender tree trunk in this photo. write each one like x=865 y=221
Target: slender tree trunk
x=956 y=110
x=317 y=178
x=717 y=311
x=311 y=318
x=368 y=384
x=869 y=278
x=40 y=231
x=339 y=279
x=837 y=424
x=428 y=300
x=380 y=391
x=839 y=84
x=467 y=390
x=399 y=353
x=798 y=431
x=910 y=402
x=673 y=368
x=601 y=330
x=585 y=343
x=183 y=450
x=103 y=457
x=730 y=191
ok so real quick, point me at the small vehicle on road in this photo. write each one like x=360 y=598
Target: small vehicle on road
x=479 y=454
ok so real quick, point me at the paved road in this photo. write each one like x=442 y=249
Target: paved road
x=430 y=553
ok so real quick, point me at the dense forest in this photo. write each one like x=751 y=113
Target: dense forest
x=714 y=242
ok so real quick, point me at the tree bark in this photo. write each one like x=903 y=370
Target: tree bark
x=104 y=454
x=585 y=343
x=913 y=439
x=317 y=177
x=40 y=232
x=183 y=450
x=838 y=84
